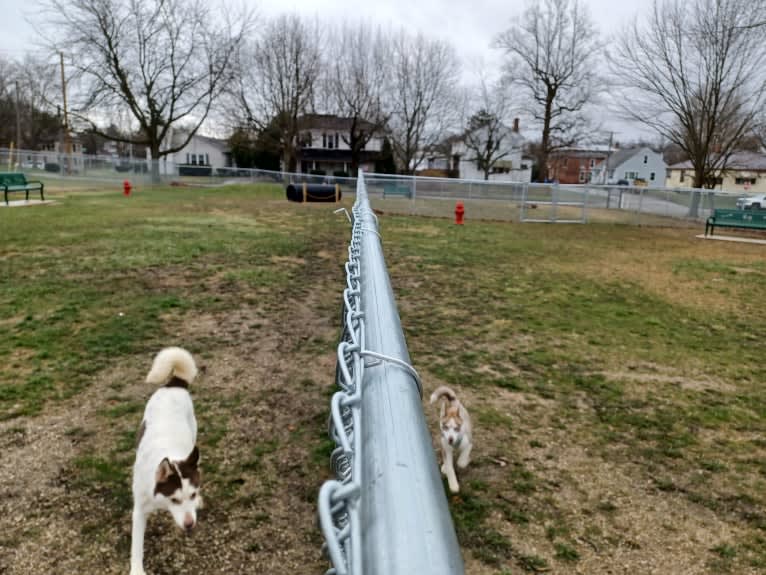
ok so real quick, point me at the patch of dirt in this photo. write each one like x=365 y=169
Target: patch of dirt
x=698 y=383
x=262 y=407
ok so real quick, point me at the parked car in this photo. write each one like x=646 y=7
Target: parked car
x=757 y=202
x=623 y=183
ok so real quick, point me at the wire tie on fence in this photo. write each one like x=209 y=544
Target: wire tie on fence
x=373 y=231
x=396 y=361
x=345 y=211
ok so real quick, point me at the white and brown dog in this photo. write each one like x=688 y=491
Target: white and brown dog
x=456 y=433
x=166 y=474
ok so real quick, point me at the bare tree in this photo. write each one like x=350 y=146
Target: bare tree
x=276 y=81
x=163 y=60
x=552 y=56
x=423 y=103
x=27 y=87
x=356 y=83
x=696 y=75
x=488 y=139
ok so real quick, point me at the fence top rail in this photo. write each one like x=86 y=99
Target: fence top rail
x=396 y=517
x=409 y=177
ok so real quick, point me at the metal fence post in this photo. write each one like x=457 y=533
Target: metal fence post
x=387 y=513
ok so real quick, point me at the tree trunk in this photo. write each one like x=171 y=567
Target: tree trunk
x=546 y=139
x=154 y=150
x=699 y=177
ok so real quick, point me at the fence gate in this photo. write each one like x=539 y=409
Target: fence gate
x=549 y=203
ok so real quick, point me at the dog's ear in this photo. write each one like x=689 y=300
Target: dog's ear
x=164 y=471
x=193 y=458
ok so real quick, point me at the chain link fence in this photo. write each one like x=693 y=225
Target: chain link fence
x=422 y=196
x=536 y=202
x=386 y=512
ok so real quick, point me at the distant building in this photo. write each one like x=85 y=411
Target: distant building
x=574 y=165
x=323 y=149
x=745 y=172
x=454 y=158
x=202 y=156
x=635 y=165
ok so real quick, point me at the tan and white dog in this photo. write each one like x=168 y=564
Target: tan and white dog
x=456 y=433
x=166 y=473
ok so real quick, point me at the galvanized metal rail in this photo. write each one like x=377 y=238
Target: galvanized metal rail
x=386 y=513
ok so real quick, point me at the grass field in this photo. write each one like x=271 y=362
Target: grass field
x=615 y=375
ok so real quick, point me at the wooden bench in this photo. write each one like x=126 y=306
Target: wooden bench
x=17 y=182
x=745 y=219
x=394 y=189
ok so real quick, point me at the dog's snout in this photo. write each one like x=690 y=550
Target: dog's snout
x=450 y=440
x=189 y=522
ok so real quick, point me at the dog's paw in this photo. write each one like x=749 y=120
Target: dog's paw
x=454 y=487
x=444 y=469
x=137 y=571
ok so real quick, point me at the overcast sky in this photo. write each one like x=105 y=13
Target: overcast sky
x=469 y=24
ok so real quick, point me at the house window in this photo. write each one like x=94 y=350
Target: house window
x=593 y=163
x=743 y=181
x=651 y=176
x=187 y=158
x=566 y=161
x=324 y=140
x=646 y=159
x=631 y=175
x=683 y=173
x=582 y=176
x=337 y=140
x=207 y=160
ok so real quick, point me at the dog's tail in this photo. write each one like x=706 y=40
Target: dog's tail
x=174 y=361
x=443 y=391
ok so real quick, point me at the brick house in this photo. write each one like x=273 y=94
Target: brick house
x=574 y=165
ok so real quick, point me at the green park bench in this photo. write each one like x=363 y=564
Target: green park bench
x=746 y=219
x=17 y=182
x=394 y=189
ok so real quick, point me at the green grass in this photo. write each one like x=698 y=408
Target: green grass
x=582 y=317
x=639 y=348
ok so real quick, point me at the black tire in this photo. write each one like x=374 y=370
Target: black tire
x=755 y=206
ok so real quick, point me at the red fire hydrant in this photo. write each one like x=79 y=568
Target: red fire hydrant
x=459 y=212
x=126 y=187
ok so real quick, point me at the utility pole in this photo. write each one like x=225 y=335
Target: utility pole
x=608 y=154
x=18 y=118
x=67 y=141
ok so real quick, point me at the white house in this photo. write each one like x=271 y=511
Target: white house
x=323 y=147
x=202 y=156
x=454 y=155
x=745 y=173
x=631 y=164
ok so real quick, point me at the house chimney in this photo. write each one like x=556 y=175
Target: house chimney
x=516 y=125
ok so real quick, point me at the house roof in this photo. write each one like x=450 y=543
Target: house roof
x=622 y=155
x=330 y=122
x=446 y=146
x=222 y=145
x=180 y=136
x=578 y=153
x=752 y=161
